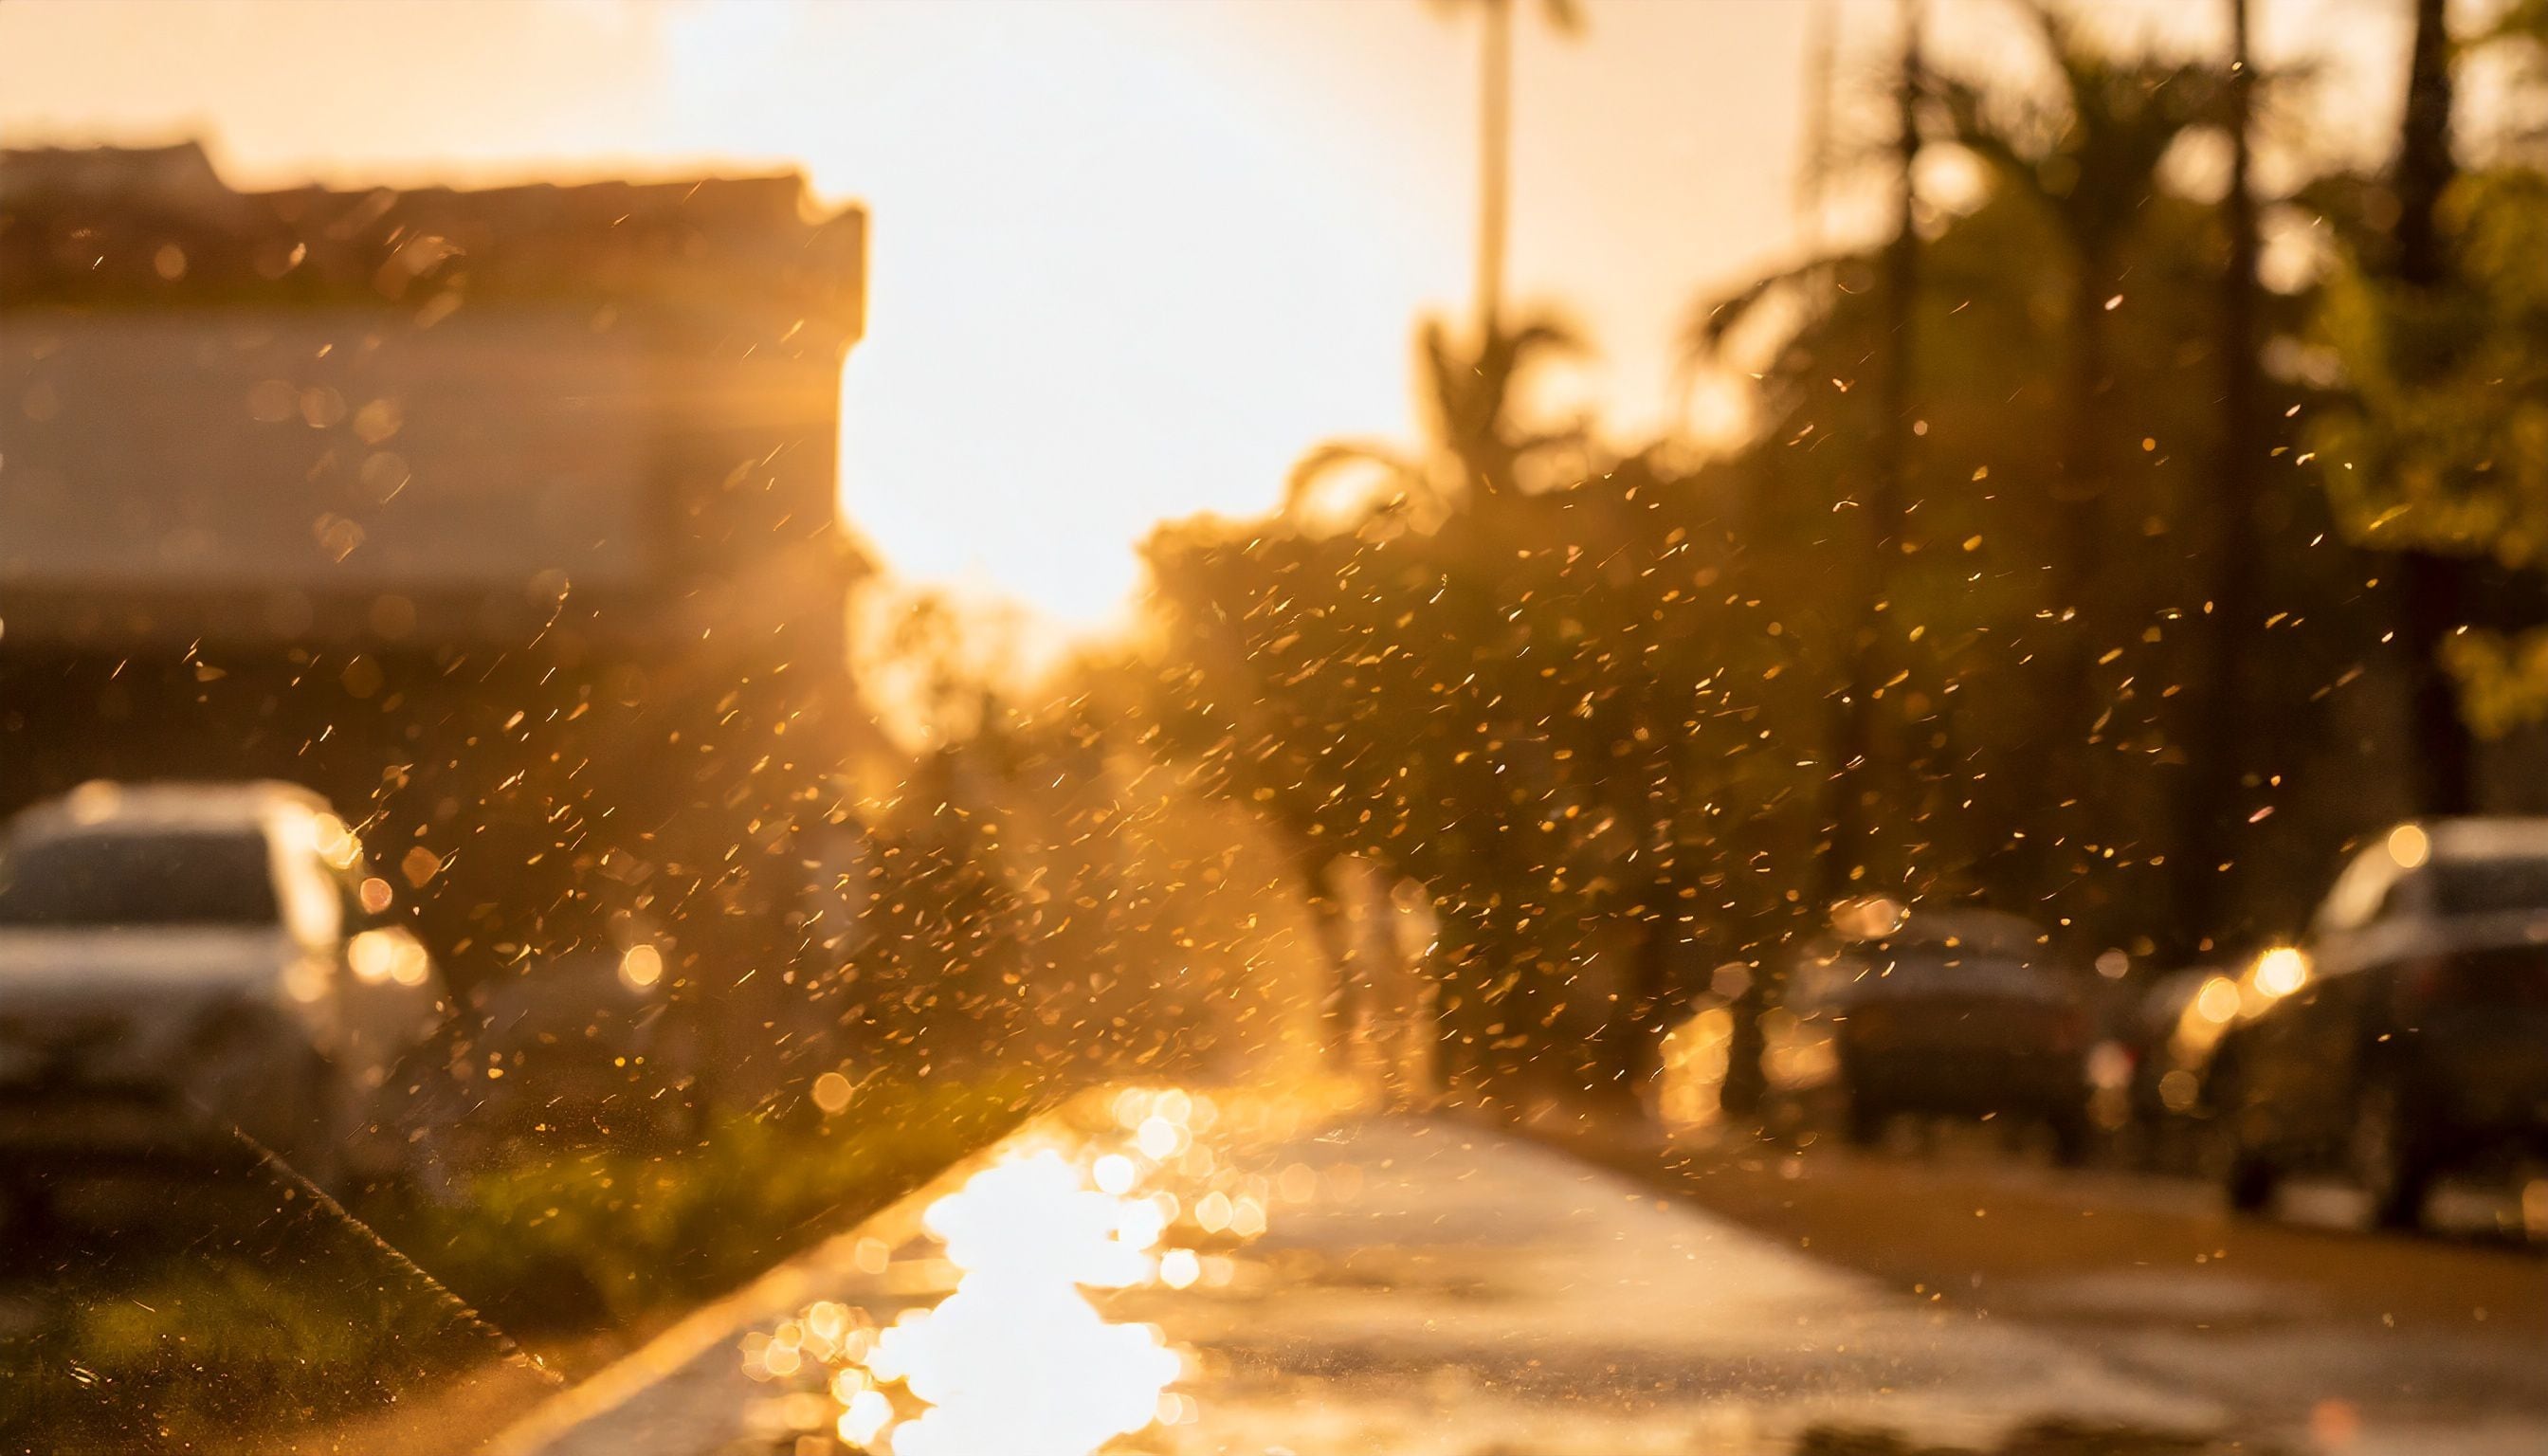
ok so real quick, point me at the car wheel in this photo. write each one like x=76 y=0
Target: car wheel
x=2072 y=1137
x=2248 y=1174
x=1864 y=1124
x=2385 y=1160
x=2250 y=1180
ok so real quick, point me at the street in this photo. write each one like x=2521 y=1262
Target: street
x=1429 y=1285
x=2299 y=1325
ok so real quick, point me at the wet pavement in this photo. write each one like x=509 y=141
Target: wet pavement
x=1458 y=1291
x=2304 y=1327
x=1142 y=1274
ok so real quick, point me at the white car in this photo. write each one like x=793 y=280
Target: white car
x=181 y=964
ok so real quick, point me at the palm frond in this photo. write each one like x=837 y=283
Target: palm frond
x=1335 y=456
x=1713 y=320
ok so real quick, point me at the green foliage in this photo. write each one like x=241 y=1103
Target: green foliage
x=2441 y=441
x=1544 y=710
x=615 y=1236
x=1598 y=711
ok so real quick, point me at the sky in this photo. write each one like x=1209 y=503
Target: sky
x=1131 y=257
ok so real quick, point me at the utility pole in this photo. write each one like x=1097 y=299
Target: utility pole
x=1494 y=163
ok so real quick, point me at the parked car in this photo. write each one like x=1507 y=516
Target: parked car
x=1954 y=1013
x=2406 y=1038
x=183 y=963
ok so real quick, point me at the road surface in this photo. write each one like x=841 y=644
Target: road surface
x=1431 y=1287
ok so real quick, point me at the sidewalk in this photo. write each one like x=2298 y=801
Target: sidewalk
x=1418 y=1286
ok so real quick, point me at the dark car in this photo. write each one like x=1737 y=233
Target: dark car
x=2407 y=1037
x=1951 y=1013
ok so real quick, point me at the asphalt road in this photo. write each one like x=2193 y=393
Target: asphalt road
x=1433 y=1287
x=1403 y=1285
x=2304 y=1328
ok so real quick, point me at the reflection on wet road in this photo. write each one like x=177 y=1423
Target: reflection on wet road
x=1014 y=1358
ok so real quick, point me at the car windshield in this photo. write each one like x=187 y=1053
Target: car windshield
x=2492 y=887
x=143 y=877
x=1222 y=727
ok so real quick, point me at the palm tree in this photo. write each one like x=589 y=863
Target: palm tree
x=2211 y=785
x=2089 y=156
x=1494 y=134
x=2430 y=584
x=1476 y=451
x=1473 y=450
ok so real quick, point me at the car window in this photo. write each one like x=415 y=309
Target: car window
x=2490 y=886
x=142 y=878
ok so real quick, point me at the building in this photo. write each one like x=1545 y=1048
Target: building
x=505 y=518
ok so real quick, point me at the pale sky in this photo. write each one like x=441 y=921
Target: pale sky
x=1131 y=257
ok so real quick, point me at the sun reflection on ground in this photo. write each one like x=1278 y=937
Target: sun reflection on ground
x=1017 y=1360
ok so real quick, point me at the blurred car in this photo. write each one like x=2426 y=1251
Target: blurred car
x=1950 y=1013
x=2406 y=1037
x=583 y=1048
x=182 y=960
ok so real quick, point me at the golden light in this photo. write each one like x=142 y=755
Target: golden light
x=2281 y=971
x=2218 y=1001
x=1871 y=919
x=378 y=956
x=1247 y=1217
x=832 y=1092
x=1017 y=1359
x=335 y=843
x=2409 y=846
x=371 y=955
x=641 y=966
x=1140 y=1221
x=1696 y=1056
x=863 y=1416
x=1115 y=1173
x=1212 y=1213
x=94 y=803
x=376 y=894
x=1160 y=1138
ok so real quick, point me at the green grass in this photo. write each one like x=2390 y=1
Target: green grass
x=603 y=1236
x=250 y=1313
